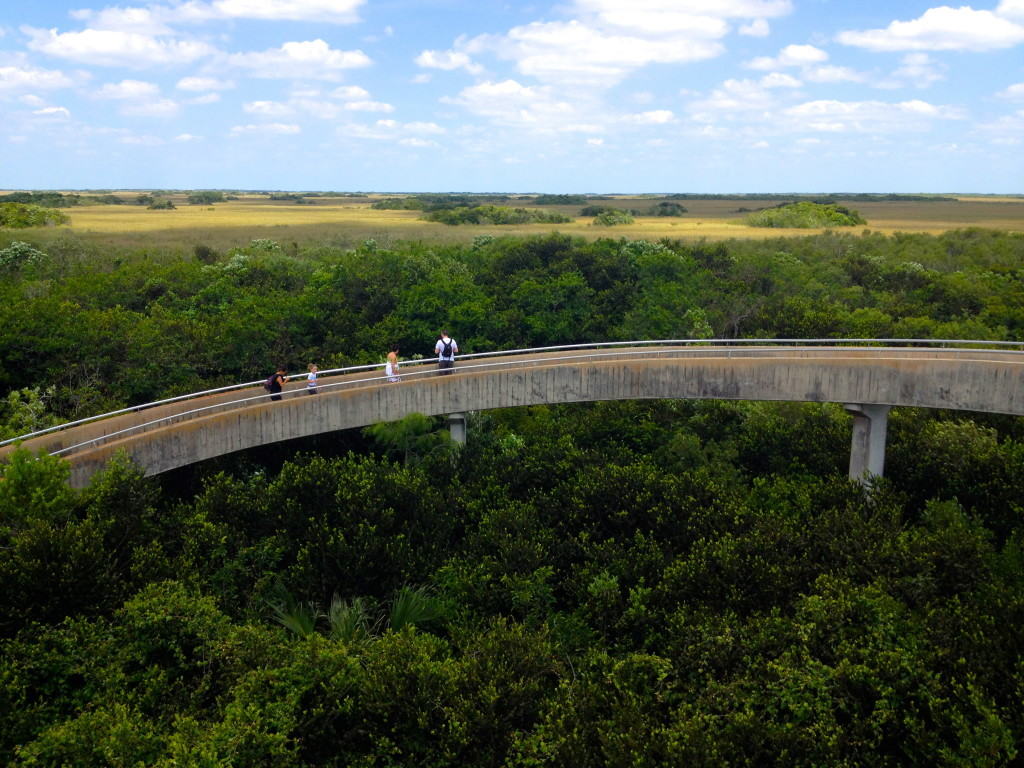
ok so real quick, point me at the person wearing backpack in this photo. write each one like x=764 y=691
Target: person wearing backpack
x=275 y=383
x=446 y=349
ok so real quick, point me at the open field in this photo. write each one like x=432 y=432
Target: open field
x=349 y=220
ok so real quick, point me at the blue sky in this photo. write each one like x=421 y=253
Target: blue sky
x=461 y=95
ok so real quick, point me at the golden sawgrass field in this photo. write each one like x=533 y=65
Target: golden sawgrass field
x=347 y=221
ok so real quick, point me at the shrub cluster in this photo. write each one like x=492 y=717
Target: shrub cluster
x=805 y=215
x=494 y=214
x=23 y=215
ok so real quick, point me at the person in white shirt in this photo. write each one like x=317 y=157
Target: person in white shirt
x=311 y=379
x=446 y=349
x=391 y=367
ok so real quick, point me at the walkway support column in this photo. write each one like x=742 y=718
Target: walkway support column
x=457 y=427
x=867 y=449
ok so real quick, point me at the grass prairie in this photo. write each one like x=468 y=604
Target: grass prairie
x=349 y=220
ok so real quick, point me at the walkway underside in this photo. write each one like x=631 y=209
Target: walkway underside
x=974 y=380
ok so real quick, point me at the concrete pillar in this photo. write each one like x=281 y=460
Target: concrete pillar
x=867 y=449
x=457 y=427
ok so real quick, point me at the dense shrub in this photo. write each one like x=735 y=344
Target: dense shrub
x=613 y=217
x=494 y=214
x=805 y=215
x=23 y=215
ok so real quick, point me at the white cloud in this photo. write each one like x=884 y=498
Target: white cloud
x=760 y=145
x=417 y=127
x=52 y=112
x=734 y=96
x=142 y=141
x=868 y=116
x=145 y=21
x=653 y=117
x=1011 y=9
x=318 y=108
x=267 y=108
x=206 y=98
x=1007 y=130
x=790 y=56
x=369 y=106
x=757 y=28
x=423 y=77
x=780 y=80
x=573 y=52
x=350 y=93
x=115 y=48
x=29 y=78
x=326 y=11
x=161 y=108
x=658 y=14
x=313 y=59
x=270 y=129
x=415 y=142
x=595 y=142
x=941 y=29
x=204 y=84
x=511 y=103
x=31 y=100
x=919 y=70
x=1014 y=92
x=186 y=137
x=155 y=19
x=447 y=60
x=604 y=41
x=833 y=74
x=128 y=90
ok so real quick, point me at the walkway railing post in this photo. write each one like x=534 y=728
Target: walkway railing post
x=457 y=427
x=867 y=447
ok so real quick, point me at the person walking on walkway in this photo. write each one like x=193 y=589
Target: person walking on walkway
x=311 y=379
x=275 y=383
x=391 y=367
x=446 y=349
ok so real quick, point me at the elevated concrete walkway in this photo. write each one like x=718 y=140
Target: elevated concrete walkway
x=174 y=435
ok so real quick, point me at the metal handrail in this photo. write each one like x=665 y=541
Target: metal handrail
x=171 y=418
x=499 y=353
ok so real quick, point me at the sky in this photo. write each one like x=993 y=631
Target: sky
x=597 y=96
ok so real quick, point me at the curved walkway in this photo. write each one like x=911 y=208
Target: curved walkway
x=174 y=434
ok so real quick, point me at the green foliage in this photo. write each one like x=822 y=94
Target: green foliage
x=621 y=583
x=162 y=205
x=666 y=208
x=414 y=438
x=494 y=214
x=414 y=606
x=805 y=215
x=25 y=411
x=19 y=255
x=23 y=215
x=398 y=204
x=560 y=200
x=206 y=197
x=612 y=218
x=43 y=199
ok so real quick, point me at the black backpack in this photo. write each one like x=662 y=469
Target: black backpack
x=446 y=348
x=269 y=383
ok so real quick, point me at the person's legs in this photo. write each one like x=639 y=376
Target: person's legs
x=446 y=366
